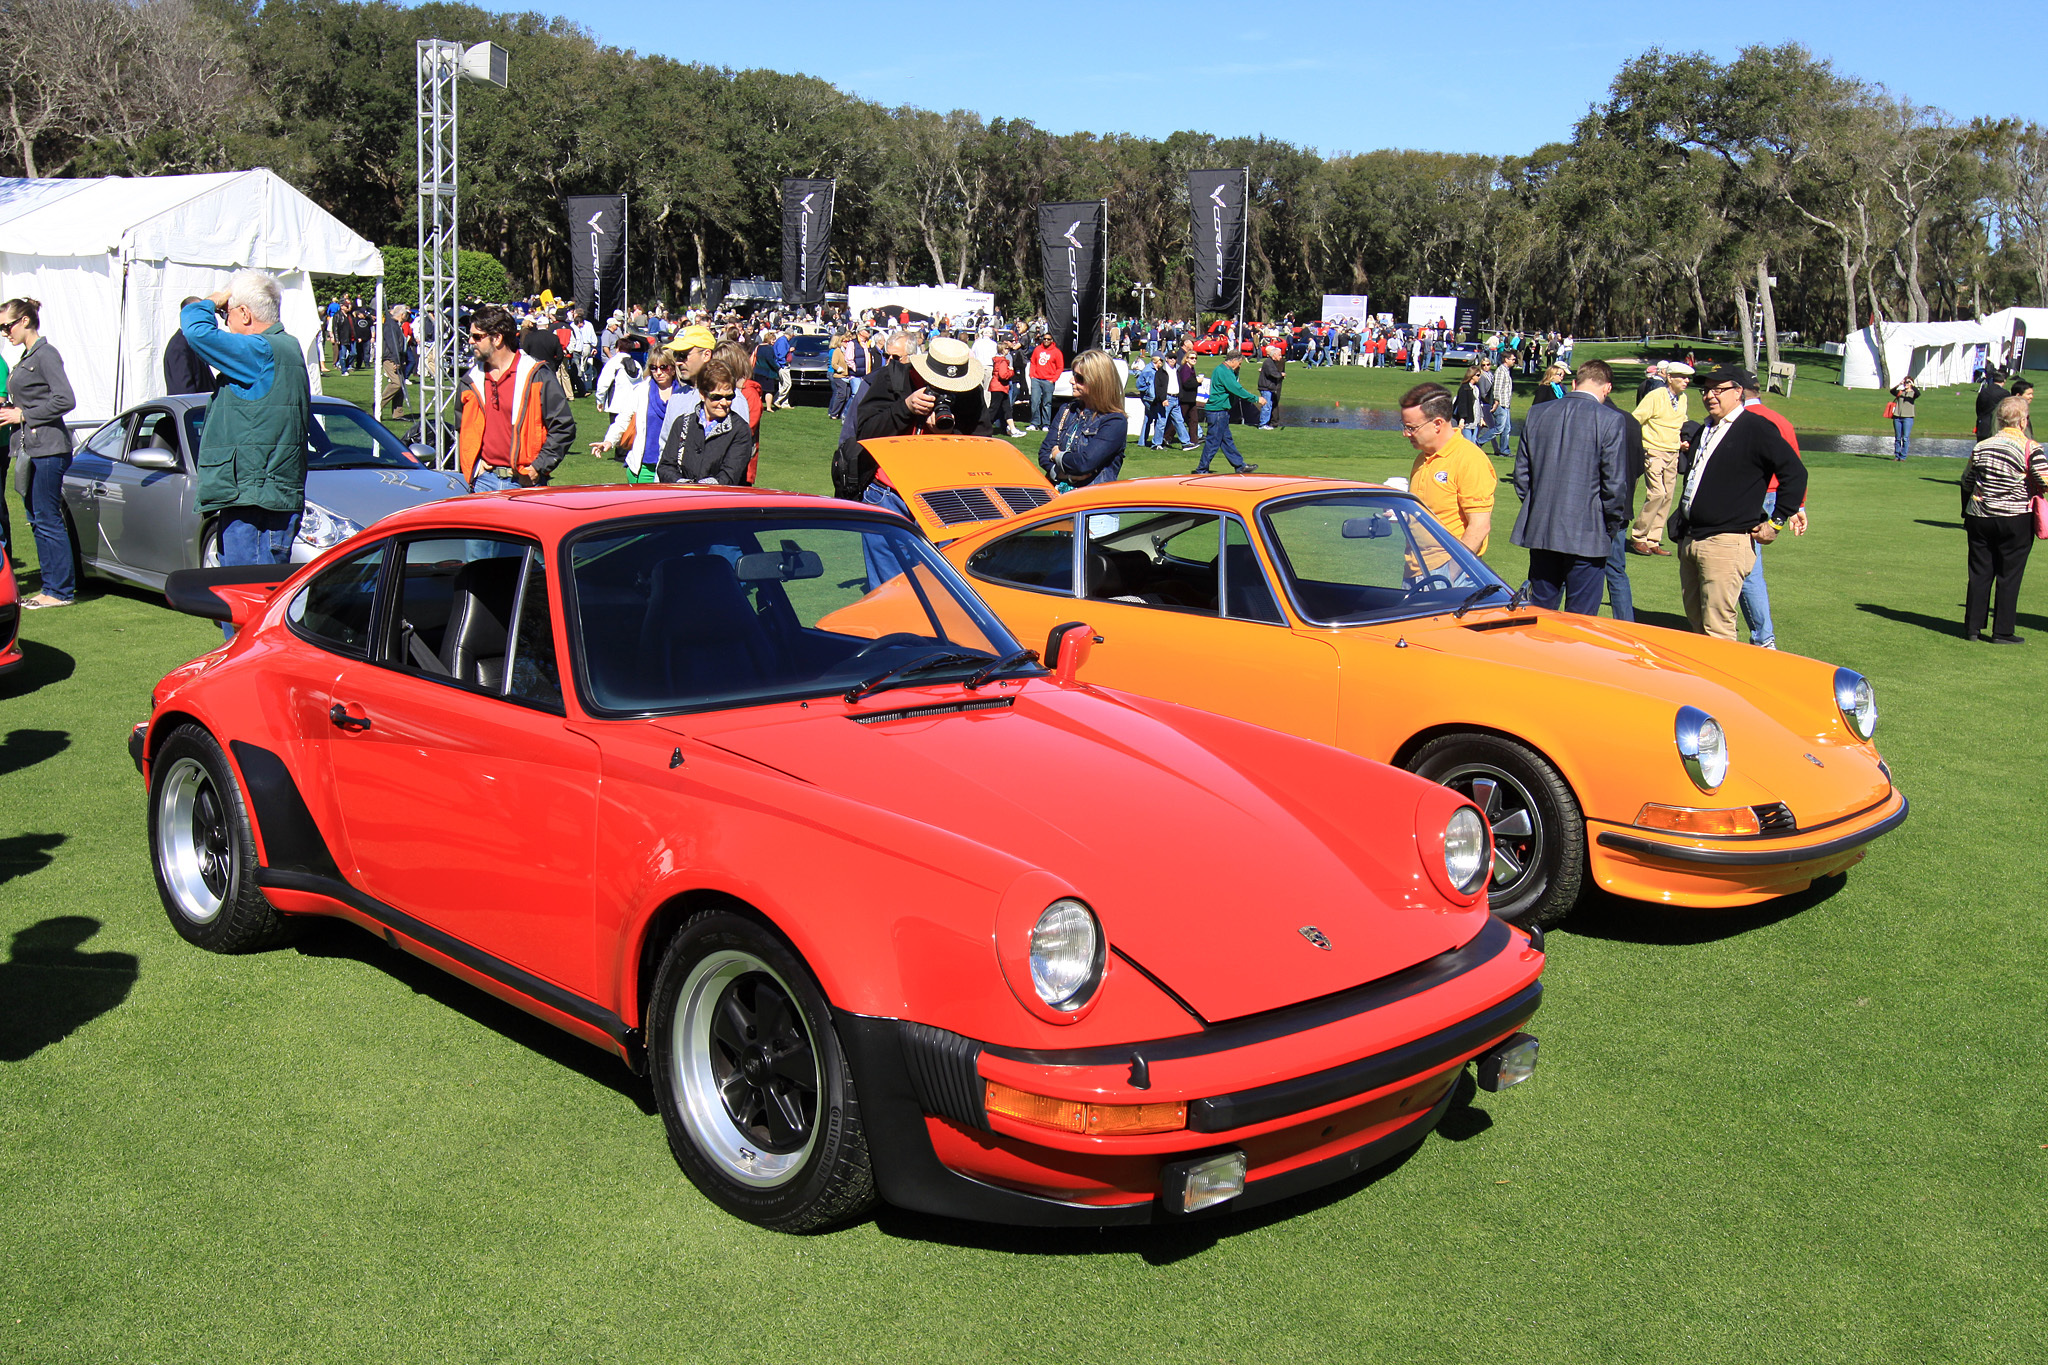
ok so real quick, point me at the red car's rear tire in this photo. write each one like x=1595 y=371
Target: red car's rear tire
x=756 y=1095
x=203 y=850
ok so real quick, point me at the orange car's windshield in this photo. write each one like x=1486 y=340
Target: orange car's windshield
x=1359 y=556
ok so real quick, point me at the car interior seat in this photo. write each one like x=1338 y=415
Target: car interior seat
x=702 y=636
x=1245 y=586
x=480 y=619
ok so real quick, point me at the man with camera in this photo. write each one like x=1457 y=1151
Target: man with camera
x=936 y=391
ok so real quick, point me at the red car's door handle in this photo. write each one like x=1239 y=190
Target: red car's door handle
x=340 y=716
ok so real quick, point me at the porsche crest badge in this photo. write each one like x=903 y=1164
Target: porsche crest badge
x=1315 y=936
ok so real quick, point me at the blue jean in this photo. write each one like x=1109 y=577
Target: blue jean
x=1041 y=404
x=1902 y=432
x=1155 y=417
x=489 y=480
x=1756 y=597
x=46 y=520
x=841 y=391
x=1174 y=420
x=880 y=561
x=255 y=535
x=1267 y=400
x=1621 y=598
x=1502 y=429
x=1219 y=438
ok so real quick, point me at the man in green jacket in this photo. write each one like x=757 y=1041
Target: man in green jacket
x=252 y=454
x=1223 y=388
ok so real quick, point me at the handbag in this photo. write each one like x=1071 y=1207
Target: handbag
x=1891 y=409
x=2038 y=505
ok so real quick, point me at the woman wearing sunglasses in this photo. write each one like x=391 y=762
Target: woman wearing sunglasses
x=1086 y=443
x=38 y=396
x=712 y=444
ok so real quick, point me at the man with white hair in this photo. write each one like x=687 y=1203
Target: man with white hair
x=252 y=453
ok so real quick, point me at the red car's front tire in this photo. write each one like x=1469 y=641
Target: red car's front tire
x=754 y=1090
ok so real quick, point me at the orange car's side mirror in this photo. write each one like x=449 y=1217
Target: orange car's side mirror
x=1067 y=647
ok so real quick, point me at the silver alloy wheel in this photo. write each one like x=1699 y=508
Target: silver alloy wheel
x=1510 y=811
x=193 y=846
x=745 y=1068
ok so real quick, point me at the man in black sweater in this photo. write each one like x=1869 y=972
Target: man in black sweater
x=1720 y=517
x=1988 y=398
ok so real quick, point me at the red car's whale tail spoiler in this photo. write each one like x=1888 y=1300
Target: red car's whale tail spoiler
x=228 y=594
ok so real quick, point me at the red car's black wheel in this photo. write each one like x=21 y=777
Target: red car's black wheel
x=202 y=849
x=1539 y=836
x=757 y=1097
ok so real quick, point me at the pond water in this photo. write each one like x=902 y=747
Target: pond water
x=1358 y=417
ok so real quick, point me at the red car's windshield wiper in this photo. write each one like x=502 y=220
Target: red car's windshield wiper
x=995 y=666
x=903 y=672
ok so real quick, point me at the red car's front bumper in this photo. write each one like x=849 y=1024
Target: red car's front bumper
x=1310 y=1094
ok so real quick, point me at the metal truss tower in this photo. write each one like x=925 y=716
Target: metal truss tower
x=441 y=67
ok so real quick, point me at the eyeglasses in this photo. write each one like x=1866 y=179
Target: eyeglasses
x=1721 y=388
x=1424 y=424
x=479 y=336
x=725 y=397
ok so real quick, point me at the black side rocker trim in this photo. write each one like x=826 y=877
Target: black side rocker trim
x=1771 y=857
x=536 y=988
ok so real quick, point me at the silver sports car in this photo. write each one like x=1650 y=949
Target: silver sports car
x=131 y=494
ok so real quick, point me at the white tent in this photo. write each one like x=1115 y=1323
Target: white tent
x=1934 y=353
x=111 y=258
x=2036 y=322
x=932 y=300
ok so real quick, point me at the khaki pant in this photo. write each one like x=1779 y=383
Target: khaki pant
x=394 y=387
x=1710 y=574
x=1660 y=479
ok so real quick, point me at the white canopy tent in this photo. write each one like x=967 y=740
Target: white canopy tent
x=2036 y=322
x=111 y=258
x=932 y=300
x=1933 y=353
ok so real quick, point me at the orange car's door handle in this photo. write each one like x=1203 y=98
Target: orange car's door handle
x=340 y=716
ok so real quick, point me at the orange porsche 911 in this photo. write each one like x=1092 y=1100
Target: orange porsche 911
x=1662 y=765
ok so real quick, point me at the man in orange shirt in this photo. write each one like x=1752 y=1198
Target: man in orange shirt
x=1451 y=477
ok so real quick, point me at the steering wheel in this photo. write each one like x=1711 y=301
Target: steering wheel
x=893 y=640
x=1422 y=584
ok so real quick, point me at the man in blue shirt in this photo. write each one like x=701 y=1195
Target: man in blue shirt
x=252 y=454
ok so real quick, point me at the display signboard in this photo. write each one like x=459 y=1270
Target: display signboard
x=1348 y=309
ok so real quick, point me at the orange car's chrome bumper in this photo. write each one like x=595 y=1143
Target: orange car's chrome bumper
x=1652 y=865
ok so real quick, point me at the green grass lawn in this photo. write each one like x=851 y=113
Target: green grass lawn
x=1811 y=1131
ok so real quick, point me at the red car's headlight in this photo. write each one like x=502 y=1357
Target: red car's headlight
x=1458 y=852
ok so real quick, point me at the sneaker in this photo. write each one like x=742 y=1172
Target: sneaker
x=1198 y=471
x=43 y=599
x=1246 y=469
x=1996 y=639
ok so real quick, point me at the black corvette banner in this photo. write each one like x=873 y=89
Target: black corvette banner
x=806 y=240
x=1216 y=205
x=1071 y=245
x=597 y=253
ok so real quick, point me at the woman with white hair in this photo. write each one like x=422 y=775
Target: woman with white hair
x=2004 y=471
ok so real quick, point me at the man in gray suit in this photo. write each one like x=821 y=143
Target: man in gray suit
x=1571 y=470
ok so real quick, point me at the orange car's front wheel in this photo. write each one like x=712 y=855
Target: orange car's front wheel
x=1539 y=836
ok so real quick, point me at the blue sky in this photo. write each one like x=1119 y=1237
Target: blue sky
x=1336 y=77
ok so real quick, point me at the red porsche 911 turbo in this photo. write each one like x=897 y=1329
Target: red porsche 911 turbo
x=751 y=790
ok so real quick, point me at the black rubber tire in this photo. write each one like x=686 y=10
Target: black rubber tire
x=196 y=815
x=1550 y=856
x=830 y=1180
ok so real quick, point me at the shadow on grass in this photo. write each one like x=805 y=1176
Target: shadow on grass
x=26 y=748
x=1668 y=620
x=21 y=854
x=1952 y=483
x=1938 y=525
x=1619 y=920
x=49 y=989
x=330 y=938
x=41 y=665
x=1940 y=625
x=1162 y=1244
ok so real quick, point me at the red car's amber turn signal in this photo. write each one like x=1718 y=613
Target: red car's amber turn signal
x=1076 y=1116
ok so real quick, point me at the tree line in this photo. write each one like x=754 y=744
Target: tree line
x=1696 y=195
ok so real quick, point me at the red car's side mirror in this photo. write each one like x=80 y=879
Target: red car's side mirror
x=1067 y=647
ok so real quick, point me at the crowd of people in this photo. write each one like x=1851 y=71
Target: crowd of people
x=685 y=393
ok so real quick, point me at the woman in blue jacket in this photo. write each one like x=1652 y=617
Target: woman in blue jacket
x=1086 y=442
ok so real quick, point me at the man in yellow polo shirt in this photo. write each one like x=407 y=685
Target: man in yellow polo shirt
x=1662 y=414
x=1451 y=477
